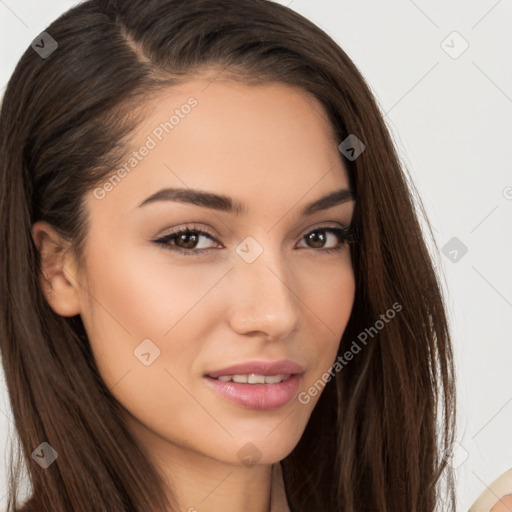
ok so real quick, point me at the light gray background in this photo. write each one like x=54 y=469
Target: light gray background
x=451 y=119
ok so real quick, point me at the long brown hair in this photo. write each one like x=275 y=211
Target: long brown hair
x=377 y=437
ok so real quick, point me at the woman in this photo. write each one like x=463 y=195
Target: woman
x=299 y=357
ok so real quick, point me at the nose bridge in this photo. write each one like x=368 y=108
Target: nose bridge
x=265 y=298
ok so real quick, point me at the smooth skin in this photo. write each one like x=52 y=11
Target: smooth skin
x=270 y=147
x=504 y=504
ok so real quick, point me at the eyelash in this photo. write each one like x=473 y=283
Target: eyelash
x=344 y=234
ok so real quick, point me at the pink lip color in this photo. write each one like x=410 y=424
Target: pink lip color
x=284 y=366
x=257 y=396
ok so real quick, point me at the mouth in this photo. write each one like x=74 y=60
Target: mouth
x=256 y=392
x=254 y=370
x=253 y=378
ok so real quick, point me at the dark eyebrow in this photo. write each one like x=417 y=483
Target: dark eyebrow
x=227 y=204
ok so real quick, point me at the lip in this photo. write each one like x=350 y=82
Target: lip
x=266 y=368
x=258 y=396
x=262 y=397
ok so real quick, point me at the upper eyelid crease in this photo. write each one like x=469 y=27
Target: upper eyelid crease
x=342 y=232
x=227 y=204
x=204 y=231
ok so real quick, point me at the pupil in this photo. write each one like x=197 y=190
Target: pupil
x=182 y=237
x=314 y=237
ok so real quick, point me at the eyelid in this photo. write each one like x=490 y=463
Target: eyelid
x=189 y=227
x=195 y=227
x=346 y=238
x=326 y=224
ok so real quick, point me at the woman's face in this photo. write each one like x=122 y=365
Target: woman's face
x=159 y=320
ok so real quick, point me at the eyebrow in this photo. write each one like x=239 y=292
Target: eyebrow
x=229 y=205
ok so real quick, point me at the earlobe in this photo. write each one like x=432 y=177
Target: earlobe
x=58 y=270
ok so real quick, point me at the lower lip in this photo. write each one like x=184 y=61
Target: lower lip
x=261 y=397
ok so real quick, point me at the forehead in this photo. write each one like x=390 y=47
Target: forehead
x=231 y=138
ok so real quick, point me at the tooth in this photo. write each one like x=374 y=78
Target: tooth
x=256 y=379
x=274 y=379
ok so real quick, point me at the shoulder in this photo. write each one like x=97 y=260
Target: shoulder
x=497 y=497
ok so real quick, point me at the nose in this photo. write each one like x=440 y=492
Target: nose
x=265 y=297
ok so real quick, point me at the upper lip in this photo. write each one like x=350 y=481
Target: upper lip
x=265 y=368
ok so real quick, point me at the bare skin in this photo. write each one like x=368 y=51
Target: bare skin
x=504 y=505
x=271 y=148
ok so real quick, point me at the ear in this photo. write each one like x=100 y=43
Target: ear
x=58 y=279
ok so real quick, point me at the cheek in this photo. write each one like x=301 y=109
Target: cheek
x=329 y=305
x=144 y=332
x=151 y=297
x=148 y=320
x=329 y=297
x=333 y=297
x=129 y=301
x=135 y=297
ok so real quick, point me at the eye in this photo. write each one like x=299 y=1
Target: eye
x=345 y=236
x=188 y=237
x=185 y=240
